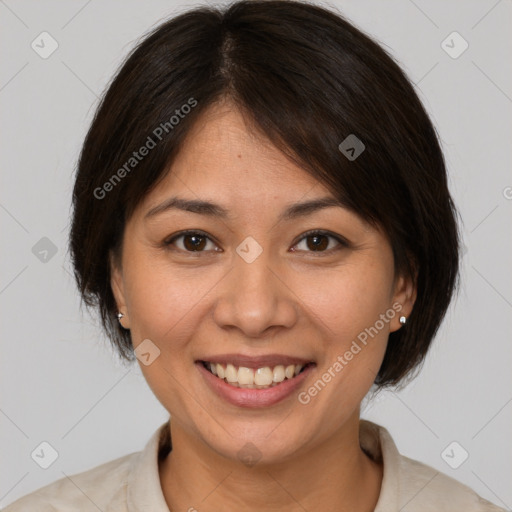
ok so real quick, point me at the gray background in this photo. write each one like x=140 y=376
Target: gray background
x=60 y=382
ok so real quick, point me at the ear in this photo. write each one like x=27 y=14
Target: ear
x=404 y=297
x=117 y=285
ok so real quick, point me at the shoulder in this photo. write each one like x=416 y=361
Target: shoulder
x=412 y=486
x=425 y=488
x=94 y=489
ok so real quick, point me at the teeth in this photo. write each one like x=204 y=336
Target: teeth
x=289 y=371
x=263 y=376
x=245 y=376
x=278 y=374
x=260 y=378
x=231 y=374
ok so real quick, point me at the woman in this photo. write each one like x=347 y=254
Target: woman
x=262 y=217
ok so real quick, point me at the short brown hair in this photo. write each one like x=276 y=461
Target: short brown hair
x=308 y=79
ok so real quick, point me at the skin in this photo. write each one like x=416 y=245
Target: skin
x=291 y=300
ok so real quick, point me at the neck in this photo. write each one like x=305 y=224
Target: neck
x=334 y=475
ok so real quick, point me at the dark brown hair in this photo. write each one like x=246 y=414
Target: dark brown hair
x=307 y=79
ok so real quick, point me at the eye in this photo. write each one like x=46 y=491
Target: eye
x=314 y=241
x=192 y=241
x=319 y=241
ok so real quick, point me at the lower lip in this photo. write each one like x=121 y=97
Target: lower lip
x=252 y=398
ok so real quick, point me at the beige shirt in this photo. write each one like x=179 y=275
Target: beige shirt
x=132 y=483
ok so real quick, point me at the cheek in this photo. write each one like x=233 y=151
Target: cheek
x=164 y=306
x=162 y=301
x=355 y=310
x=349 y=299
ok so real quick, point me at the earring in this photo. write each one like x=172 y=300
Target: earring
x=119 y=316
x=403 y=320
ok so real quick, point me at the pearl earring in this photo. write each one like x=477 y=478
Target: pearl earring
x=403 y=320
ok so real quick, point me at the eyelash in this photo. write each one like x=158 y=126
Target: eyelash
x=318 y=232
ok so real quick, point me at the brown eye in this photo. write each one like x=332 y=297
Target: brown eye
x=191 y=241
x=194 y=242
x=317 y=242
x=320 y=241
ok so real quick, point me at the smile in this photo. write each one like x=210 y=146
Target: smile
x=254 y=378
x=254 y=381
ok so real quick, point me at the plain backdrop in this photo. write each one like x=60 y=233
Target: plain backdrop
x=60 y=381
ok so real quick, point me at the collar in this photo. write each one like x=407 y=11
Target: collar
x=378 y=444
x=144 y=491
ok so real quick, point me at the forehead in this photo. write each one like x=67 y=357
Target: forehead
x=225 y=158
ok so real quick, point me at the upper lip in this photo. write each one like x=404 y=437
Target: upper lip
x=270 y=360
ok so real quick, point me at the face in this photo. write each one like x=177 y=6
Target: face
x=292 y=305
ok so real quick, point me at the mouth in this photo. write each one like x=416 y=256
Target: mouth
x=254 y=381
x=255 y=377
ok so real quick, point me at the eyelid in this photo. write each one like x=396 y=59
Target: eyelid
x=340 y=239
x=343 y=242
x=172 y=238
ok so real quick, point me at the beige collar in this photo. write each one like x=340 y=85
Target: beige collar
x=144 y=491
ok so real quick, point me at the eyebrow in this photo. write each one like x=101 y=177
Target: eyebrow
x=211 y=209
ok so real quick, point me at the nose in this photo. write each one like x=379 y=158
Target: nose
x=255 y=299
